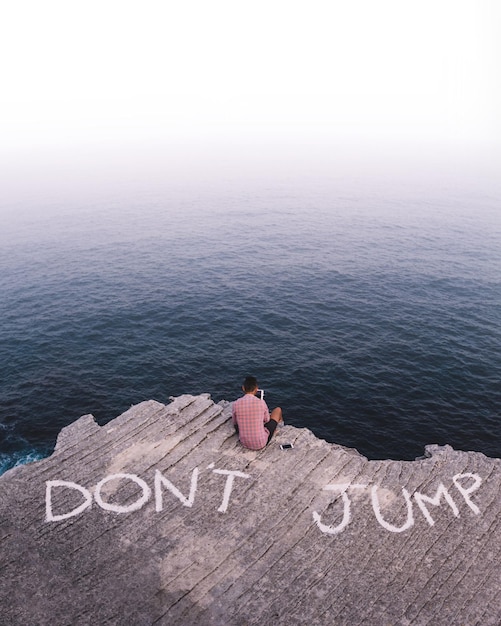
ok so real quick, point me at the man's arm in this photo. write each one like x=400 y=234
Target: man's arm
x=266 y=412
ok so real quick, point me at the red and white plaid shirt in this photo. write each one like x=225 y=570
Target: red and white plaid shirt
x=250 y=414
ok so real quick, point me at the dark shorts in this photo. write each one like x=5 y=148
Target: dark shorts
x=271 y=426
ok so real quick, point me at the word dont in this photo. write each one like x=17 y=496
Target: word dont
x=420 y=499
x=160 y=484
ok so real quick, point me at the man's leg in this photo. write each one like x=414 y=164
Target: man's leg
x=276 y=415
x=275 y=419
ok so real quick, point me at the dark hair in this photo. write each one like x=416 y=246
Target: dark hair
x=250 y=383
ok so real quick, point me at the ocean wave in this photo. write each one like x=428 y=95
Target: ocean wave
x=14 y=459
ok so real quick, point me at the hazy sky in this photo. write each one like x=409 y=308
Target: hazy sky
x=119 y=73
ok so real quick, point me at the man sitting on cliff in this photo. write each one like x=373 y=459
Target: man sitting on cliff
x=251 y=417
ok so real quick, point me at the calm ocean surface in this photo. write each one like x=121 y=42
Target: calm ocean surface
x=373 y=319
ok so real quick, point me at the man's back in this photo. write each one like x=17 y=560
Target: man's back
x=250 y=414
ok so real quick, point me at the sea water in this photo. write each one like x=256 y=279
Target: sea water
x=371 y=317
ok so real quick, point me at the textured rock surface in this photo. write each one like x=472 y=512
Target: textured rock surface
x=201 y=531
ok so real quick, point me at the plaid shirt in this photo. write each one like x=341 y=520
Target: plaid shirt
x=250 y=414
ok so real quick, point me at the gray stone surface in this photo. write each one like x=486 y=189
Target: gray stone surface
x=202 y=531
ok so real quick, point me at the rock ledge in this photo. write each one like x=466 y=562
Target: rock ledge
x=161 y=517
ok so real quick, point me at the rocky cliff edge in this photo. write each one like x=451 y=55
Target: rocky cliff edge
x=161 y=517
